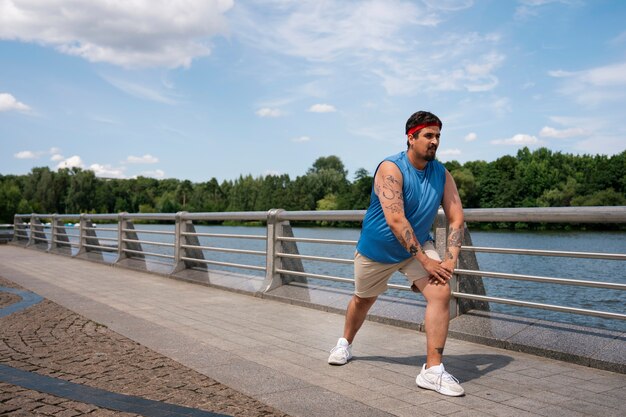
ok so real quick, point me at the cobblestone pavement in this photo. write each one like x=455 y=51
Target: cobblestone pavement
x=47 y=339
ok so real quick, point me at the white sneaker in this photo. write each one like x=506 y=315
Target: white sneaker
x=340 y=354
x=437 y=379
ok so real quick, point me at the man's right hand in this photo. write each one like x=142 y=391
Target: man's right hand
x=437 y=271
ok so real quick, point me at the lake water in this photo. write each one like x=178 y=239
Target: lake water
x=565 y=295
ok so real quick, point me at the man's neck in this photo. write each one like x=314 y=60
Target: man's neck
x=418 y=163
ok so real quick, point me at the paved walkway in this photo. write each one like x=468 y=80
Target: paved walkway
x=275 y=353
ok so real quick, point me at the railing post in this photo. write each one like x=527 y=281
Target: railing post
x=441 y=242
x=81 y=235
x=120 y=237
x=125 y=231
x=31 y=235
x=272 y=280
x=275 y=229
x=19 y=231
x=53 y=233
x=59 y=241
x=182 y=226
x=178 y=264
x=37 y=233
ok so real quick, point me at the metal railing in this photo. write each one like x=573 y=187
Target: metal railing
x=6 y=233
x=180 y=249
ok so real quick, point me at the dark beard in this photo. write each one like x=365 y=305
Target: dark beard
x=429 y=157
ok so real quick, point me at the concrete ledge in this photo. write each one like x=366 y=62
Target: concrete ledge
x=597 y=348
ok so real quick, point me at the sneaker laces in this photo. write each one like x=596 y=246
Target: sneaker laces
x=446 y=376
x=344 y=350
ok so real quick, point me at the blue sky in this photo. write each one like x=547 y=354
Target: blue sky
x=197 y=89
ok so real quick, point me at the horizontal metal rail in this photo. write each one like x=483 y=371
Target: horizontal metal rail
x=73 y=244
x=606 y=214
x=562 y=309
x=149 y=242
x=234 y=265
x=103 y=248
x=226 y=250
x=315 y=258
x=312 y=275
x=153 y=232
x=540 y=252
x=315 y=240
x=233 y=215
x=327 y=215
x=104 y=229
x=106 y=239
x=546 y=280
x=68 y=234
x=334 y=278
x=220 y=235
x=159 y=255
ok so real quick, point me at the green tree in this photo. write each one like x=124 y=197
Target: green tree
x=82 y=191
x=466 y=184
x=608 y=197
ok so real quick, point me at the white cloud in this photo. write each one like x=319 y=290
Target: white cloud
x=146 y=159
x=619 y=38
x=470 y=137
x=603 y=144
x=464 y=67
x=105 y=120
x=449 y=5
x=550 y=132
x=107 y=171
x=517 y=140
x=530 y=7
x=71 y=162
x=449 y=152
x=26 y=155
x=8 y=103
x=56 y=157
x=140 y=91
x=501 y=106
x=396 y=30
x=306 y=30
x=54 y=150
x=268 y=112
x=157 y=173
x=139 y=33
x=301 y=139
x=594 y=86
x=322 y=108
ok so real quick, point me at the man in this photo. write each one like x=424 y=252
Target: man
x=408 y=189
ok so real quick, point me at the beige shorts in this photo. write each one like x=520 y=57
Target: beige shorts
x=371 y=277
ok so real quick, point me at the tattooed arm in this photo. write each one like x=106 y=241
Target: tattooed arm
x=454 y=212
x=388 y=188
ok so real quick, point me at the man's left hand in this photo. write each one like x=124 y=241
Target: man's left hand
x=448 y=265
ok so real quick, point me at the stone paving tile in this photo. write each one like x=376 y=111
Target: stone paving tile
x=50 y=340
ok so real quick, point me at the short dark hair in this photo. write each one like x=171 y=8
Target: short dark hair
x=419 y=118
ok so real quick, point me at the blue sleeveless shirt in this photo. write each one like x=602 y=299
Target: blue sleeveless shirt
x=423 y=191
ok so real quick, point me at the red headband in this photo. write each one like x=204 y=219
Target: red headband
x=420 y=127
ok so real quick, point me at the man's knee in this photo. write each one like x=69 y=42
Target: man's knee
x=437 y=293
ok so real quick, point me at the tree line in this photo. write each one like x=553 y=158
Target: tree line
x=540 y=178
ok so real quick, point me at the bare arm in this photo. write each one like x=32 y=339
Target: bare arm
x=388 y=188
x=453 y=208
